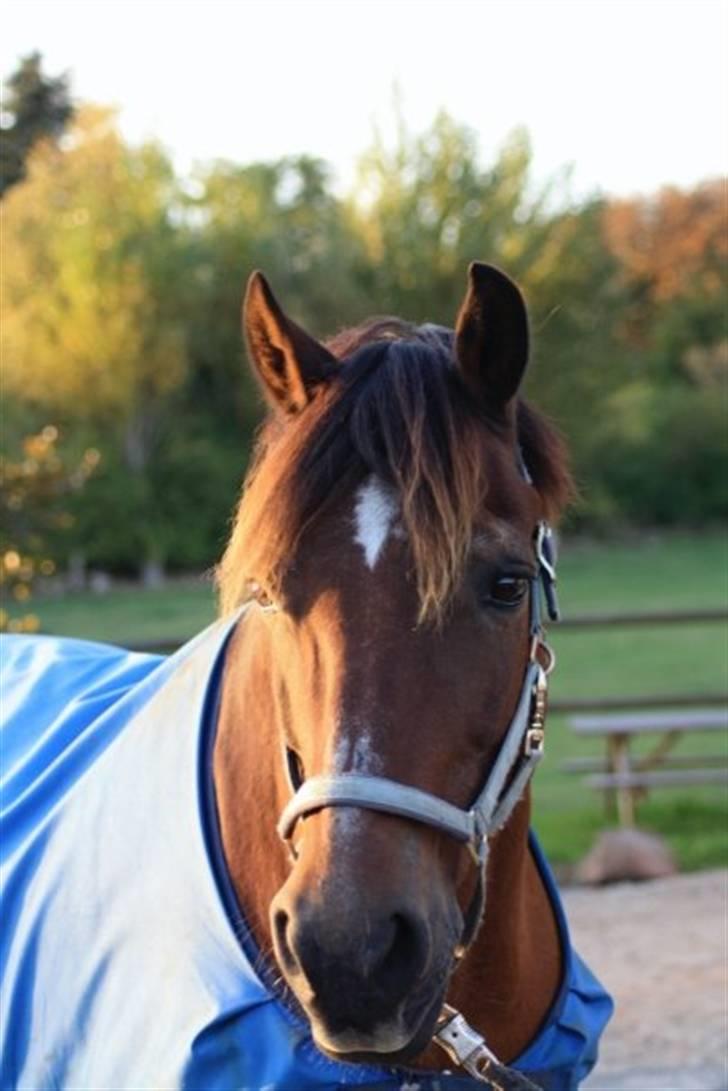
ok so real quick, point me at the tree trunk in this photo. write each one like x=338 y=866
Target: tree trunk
x=153 y=574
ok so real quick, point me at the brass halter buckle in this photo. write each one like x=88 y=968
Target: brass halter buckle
x=533 y=745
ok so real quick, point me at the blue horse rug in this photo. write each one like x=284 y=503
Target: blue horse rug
x=125 y=960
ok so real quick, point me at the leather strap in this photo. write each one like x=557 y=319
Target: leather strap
x=376 y=794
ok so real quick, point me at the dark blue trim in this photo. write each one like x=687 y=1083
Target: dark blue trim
x=210 y=817
x=562 y=927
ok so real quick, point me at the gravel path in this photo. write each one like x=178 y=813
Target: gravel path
x=660 y=948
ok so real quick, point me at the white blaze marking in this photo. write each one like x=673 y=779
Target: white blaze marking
x=375 y=513
x=354 y=755
x=364 y=758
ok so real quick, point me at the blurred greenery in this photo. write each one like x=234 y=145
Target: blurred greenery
x=129 y=615
x=122 y=282
x=34 y=501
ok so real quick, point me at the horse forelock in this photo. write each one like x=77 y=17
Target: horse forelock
x=399 y=411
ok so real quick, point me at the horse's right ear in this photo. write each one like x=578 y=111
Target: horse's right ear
x=289 y=363
x=491 y=337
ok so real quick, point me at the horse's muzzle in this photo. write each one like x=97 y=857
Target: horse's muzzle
x=367 y=982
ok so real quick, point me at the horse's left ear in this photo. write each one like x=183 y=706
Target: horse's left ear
x=491 y=336
x=289 y=362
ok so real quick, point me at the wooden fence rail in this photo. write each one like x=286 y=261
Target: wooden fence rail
x=654 y=700
x=657 y=618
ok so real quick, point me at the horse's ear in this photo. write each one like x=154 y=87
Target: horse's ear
x=289 y=363
x=491 y=336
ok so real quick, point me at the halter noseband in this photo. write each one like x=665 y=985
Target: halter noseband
x=520 y=752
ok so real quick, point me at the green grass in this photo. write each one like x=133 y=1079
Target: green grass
x=651 y=572
x=129 y=615
x=641 y=660
x=675 y=572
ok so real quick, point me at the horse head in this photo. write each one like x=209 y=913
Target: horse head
x=386 y=544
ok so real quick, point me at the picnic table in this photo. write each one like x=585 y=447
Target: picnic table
x=626 y=776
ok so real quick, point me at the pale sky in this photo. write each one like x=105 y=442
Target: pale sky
x=633 y=94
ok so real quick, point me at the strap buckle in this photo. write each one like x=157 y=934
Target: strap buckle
x=533 y=745
x=467 y=1048
x=463 y=1045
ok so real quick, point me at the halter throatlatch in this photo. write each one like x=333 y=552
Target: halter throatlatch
x=520 y=752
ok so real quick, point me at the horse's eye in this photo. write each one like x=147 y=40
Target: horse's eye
x=509 y=590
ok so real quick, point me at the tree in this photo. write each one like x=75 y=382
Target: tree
x=36 y=107
x=672 y=249
x=664 y=441
x=92 y=329
x=426 y=207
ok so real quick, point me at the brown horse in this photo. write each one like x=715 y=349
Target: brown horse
x=385 y=542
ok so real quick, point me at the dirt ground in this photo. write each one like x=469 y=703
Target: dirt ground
x=660 y=948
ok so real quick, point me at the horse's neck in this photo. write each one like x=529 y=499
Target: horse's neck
x=506 y=983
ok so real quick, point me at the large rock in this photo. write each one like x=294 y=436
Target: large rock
x=622 y=854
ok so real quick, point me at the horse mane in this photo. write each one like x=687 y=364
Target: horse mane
x=397 y=409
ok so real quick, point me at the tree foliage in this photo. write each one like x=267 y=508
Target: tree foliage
x=35 y=106
x=672 y=250
x=426 y=207
x=87 y=327
x=93 y=334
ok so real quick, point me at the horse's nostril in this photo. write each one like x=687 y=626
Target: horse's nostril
x=403 y=954
x=285 y=953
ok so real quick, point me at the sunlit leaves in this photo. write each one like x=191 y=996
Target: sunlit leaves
x=35 y=487
x=86 y=327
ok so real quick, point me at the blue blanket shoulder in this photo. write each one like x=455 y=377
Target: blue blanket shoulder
x=54 y=694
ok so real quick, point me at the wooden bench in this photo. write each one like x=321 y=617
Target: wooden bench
x=626 y=777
